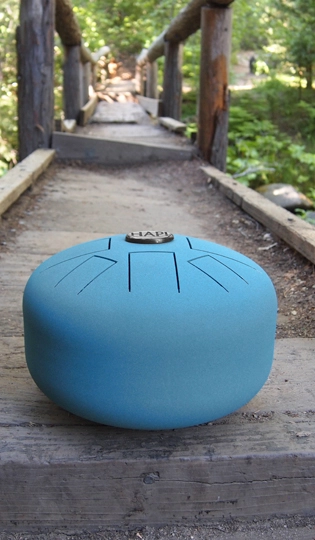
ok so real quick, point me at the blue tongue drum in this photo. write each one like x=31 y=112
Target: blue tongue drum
x=150 y=330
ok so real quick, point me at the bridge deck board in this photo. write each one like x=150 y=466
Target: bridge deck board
x=57 y=469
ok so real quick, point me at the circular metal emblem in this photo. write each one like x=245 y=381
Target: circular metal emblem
x=149 y=237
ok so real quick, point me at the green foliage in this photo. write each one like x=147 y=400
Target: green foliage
x=297 y=35
x=259 y=153
x=125 y=25
x=8 y=85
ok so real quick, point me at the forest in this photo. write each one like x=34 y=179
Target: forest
x=272 y=121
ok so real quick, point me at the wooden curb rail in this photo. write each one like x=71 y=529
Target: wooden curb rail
x=296 y=232
x=22 y=176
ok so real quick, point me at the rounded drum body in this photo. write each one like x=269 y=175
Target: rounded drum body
x=157 y=335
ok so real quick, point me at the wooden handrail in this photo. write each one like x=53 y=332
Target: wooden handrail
x=186 y=23
x=214 y=19
x=69 y=31
x=66 y=24
x=35 y=51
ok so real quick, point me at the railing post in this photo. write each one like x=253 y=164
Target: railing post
x=139 y=80
x=86 y=72
x=152 y=75
x=172 y=83
x=216 y=28
x=72 y=82
x=35 y=52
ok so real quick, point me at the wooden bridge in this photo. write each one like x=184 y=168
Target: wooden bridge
x=55 y=468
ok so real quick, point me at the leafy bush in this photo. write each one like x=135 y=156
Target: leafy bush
x=259 y=154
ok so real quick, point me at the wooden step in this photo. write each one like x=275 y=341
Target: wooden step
x=115 y=152
x=57 y=469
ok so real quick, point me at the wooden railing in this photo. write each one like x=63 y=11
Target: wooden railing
x=35 y=51
x=215 y=20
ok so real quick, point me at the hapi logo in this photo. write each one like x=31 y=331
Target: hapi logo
x=149 y=237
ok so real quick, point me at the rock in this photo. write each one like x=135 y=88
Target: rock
x=310 y=217
x=286 y=196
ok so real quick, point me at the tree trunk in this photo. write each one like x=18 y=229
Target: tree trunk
x=35 y=52
x=309 y=76
x=172 y=85
x=72 y=83
x=216 y=24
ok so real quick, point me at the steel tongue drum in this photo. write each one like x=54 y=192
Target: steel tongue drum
x=149 y=330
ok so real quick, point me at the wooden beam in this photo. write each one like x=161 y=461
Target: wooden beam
x=186 y=23
x=35 y=51
x=153 y=53
x=66 y=24
x=188 y=20
x=152 y=76
x=172 y=125
x=107 y=151
x=87 y=110
x=292 y=229
x=139 y=79
x=72 y=82
x=86 y=82
x=172 y=85
x=70 y=34
x=22 y=176
x=214 y=97
x=150 y=105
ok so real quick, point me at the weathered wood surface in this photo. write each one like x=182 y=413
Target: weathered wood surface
x=125 y=113
x=88 y=110
x=72 y=83
x=214 y=72
x=35 y=52
x=296 y=232
x=57 y=469
x=172 y=81
x=115 y=152
x=66 y=24
x=86 y=82
x=68 y=126
x=186 y=23
x=150 y=105
x=152 y=80
x=22 y=176
x=173 y=125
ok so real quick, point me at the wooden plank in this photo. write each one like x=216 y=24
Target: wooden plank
x=86 y=82
x=122 y=113
x=172 y=125
x=152 y=80
x=88 y=110
x=296 y=232
x=214 y=98
x=95 y=489
x=115 y=152
x=242 y=466
x=150 y=105
x=60 y=470
x=18 y=179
